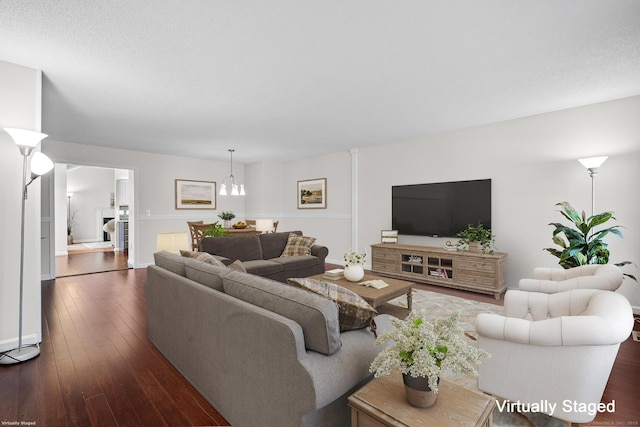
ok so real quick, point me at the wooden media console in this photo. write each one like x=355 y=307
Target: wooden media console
x=483 y=273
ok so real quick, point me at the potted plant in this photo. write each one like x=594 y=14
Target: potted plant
x=580 y=243
x=353 y=269
x=215 y=230
x=226 y=216
x=422 y=349
x=476 y=238
x=71 y=221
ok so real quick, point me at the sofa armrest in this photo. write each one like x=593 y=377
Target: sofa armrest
x=320 y=251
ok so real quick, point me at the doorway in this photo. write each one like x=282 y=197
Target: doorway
x=92 y=214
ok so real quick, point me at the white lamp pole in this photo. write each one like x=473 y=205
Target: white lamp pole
x=592 y=164
x=40 y=164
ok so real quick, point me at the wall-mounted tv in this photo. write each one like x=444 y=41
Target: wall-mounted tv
x=440 y=209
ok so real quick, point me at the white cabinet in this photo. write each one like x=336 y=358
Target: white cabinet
x=122 y=192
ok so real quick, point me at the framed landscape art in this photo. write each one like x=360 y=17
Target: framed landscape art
x=312 y=194
x=195 y=194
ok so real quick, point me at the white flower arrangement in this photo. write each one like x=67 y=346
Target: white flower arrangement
x=354 y=258
x=425 y=348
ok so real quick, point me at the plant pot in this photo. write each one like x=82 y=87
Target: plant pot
x=69 y=239
x=353 y=273
x=475 y=247
x=418 y=391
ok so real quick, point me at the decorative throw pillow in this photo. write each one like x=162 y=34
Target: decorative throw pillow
x=298 y=245
x=353 y=311
x=237 y=266
x=204 y=257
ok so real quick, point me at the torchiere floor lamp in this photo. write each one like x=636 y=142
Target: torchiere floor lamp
x=26 y=141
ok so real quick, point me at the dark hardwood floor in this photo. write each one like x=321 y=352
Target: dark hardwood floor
x=97 y=367
x=90 y=261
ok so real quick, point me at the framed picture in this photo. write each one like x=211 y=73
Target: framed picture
x=389 y=236
x=312 y=194
x=195 y=194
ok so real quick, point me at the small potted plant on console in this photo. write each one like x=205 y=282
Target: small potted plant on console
x=476 y=238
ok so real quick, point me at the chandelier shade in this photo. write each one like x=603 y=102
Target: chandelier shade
x=229 y=185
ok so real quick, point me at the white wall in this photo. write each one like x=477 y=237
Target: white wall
x=153 y=185
x=91 y=188
x=532 y=162
x=533 y=165
x=21 y=94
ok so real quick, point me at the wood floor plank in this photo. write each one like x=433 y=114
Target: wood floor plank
x=29 y=393
x=9 y=397
x=52 y=410
x=99 y=412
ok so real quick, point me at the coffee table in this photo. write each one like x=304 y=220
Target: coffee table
x=377 y=297
x=382 y=402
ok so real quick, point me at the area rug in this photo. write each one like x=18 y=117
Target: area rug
x=98 y=245
x=438 y=305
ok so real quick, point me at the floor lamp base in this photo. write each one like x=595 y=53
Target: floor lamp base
x=19 y=355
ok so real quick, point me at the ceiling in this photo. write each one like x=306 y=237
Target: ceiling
x=280 y=80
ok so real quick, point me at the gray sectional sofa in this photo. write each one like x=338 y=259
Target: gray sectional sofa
x=262 y=255
x=260 y=351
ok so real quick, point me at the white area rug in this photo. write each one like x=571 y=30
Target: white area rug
x=98 y=245
x=436 y=304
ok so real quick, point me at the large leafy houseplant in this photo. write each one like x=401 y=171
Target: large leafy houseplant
x=424 y=347
x=580 y=243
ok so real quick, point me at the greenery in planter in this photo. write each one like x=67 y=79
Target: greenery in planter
x=215 y=230
x=476 y=233
x=354 y=258
x=226 y=215
x=426 y=347
x=580 y=243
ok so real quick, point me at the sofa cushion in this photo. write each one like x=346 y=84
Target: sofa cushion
x=237 y=265
x=298 y=245
x=354 y=311
x=244 y=248
x=317 y=316
x=295 y=262
x=274 y=243
x=172 y=262
x=206 y=274
x=203 y=256
x=262 y=267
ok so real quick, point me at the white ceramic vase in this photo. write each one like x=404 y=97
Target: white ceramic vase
x=353 y=273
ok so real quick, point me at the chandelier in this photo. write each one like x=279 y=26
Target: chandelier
x=229 y=185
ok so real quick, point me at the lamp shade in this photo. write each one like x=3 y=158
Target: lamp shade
x=25 y=138
x=593 y=162
x=174 y=241
x=264 y=225
x=40 y=164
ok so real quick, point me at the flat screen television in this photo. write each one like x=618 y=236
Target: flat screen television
x=440 y=209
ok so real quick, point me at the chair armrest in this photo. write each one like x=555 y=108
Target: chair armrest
x=543 y=273
x=565 y=330
x=606 y=283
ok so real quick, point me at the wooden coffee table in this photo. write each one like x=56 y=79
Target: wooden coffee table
x=382 y=402
x=377 y=297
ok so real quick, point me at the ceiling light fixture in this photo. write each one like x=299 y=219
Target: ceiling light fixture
x=229 y=183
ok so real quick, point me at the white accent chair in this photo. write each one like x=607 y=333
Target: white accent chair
x=553 y=348
x=594 y=276
x=110 y=227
